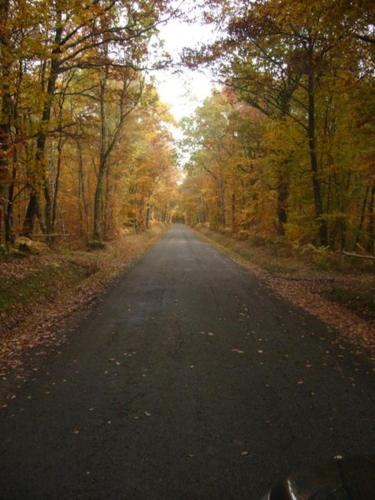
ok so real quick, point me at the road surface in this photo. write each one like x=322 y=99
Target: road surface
x=188 y=380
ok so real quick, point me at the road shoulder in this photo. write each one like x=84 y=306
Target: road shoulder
x=44 y=292
x=305 y=290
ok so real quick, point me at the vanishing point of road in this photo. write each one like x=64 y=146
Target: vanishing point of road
x=188 y=379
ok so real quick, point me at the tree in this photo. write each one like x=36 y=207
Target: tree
x=73 y=37
x=278 y=56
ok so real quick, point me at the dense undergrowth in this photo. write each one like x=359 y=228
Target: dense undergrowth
x=339 y=278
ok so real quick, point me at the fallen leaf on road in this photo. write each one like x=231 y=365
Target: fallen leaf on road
x=244 y=453
x=238 y=351
x=300 y=382
x=147 y=414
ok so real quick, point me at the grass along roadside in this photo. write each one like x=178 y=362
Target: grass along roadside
x=38 y=292
x=343 y=298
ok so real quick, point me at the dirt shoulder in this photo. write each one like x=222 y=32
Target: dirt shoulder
x=39 y=292
x=343 y=298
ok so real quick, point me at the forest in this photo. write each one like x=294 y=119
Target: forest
x=187 y=249
x=85 y=146
x=283 y=149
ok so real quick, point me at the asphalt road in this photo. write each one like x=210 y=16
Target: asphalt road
x=188 y=380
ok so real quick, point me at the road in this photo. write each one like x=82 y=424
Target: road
x=189 y=379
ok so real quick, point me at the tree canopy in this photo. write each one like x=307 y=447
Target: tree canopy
x=307 y=167
x=283 y=148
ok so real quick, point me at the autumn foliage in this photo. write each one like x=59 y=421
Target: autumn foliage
x=286 y=149
x=283 y=149
x=84 y=138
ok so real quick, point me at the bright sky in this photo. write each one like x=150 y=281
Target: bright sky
x=186 y=90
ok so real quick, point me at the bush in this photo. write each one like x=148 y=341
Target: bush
x=320 y=255
x=96 y=245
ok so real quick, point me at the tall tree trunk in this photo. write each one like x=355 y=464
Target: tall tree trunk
x=234 y=213
x=32 y=212
x=5 y=109
x=9 y=231
x=108 y=140
x=311 y=133
x=205 y=211
x=222 y=207
x=283 y=179
x=9 y=234
x=107 y=143
x=148 y=216
x=82 y=203
x=56 y=187
x=97 y=218
x=282 y=198
x=362 y=216
x=107 y=211
x=371 y=222
x=41 y=140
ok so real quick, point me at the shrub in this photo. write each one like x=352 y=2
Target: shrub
x=96 y=245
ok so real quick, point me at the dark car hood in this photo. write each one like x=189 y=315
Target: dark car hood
x=342 y=479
